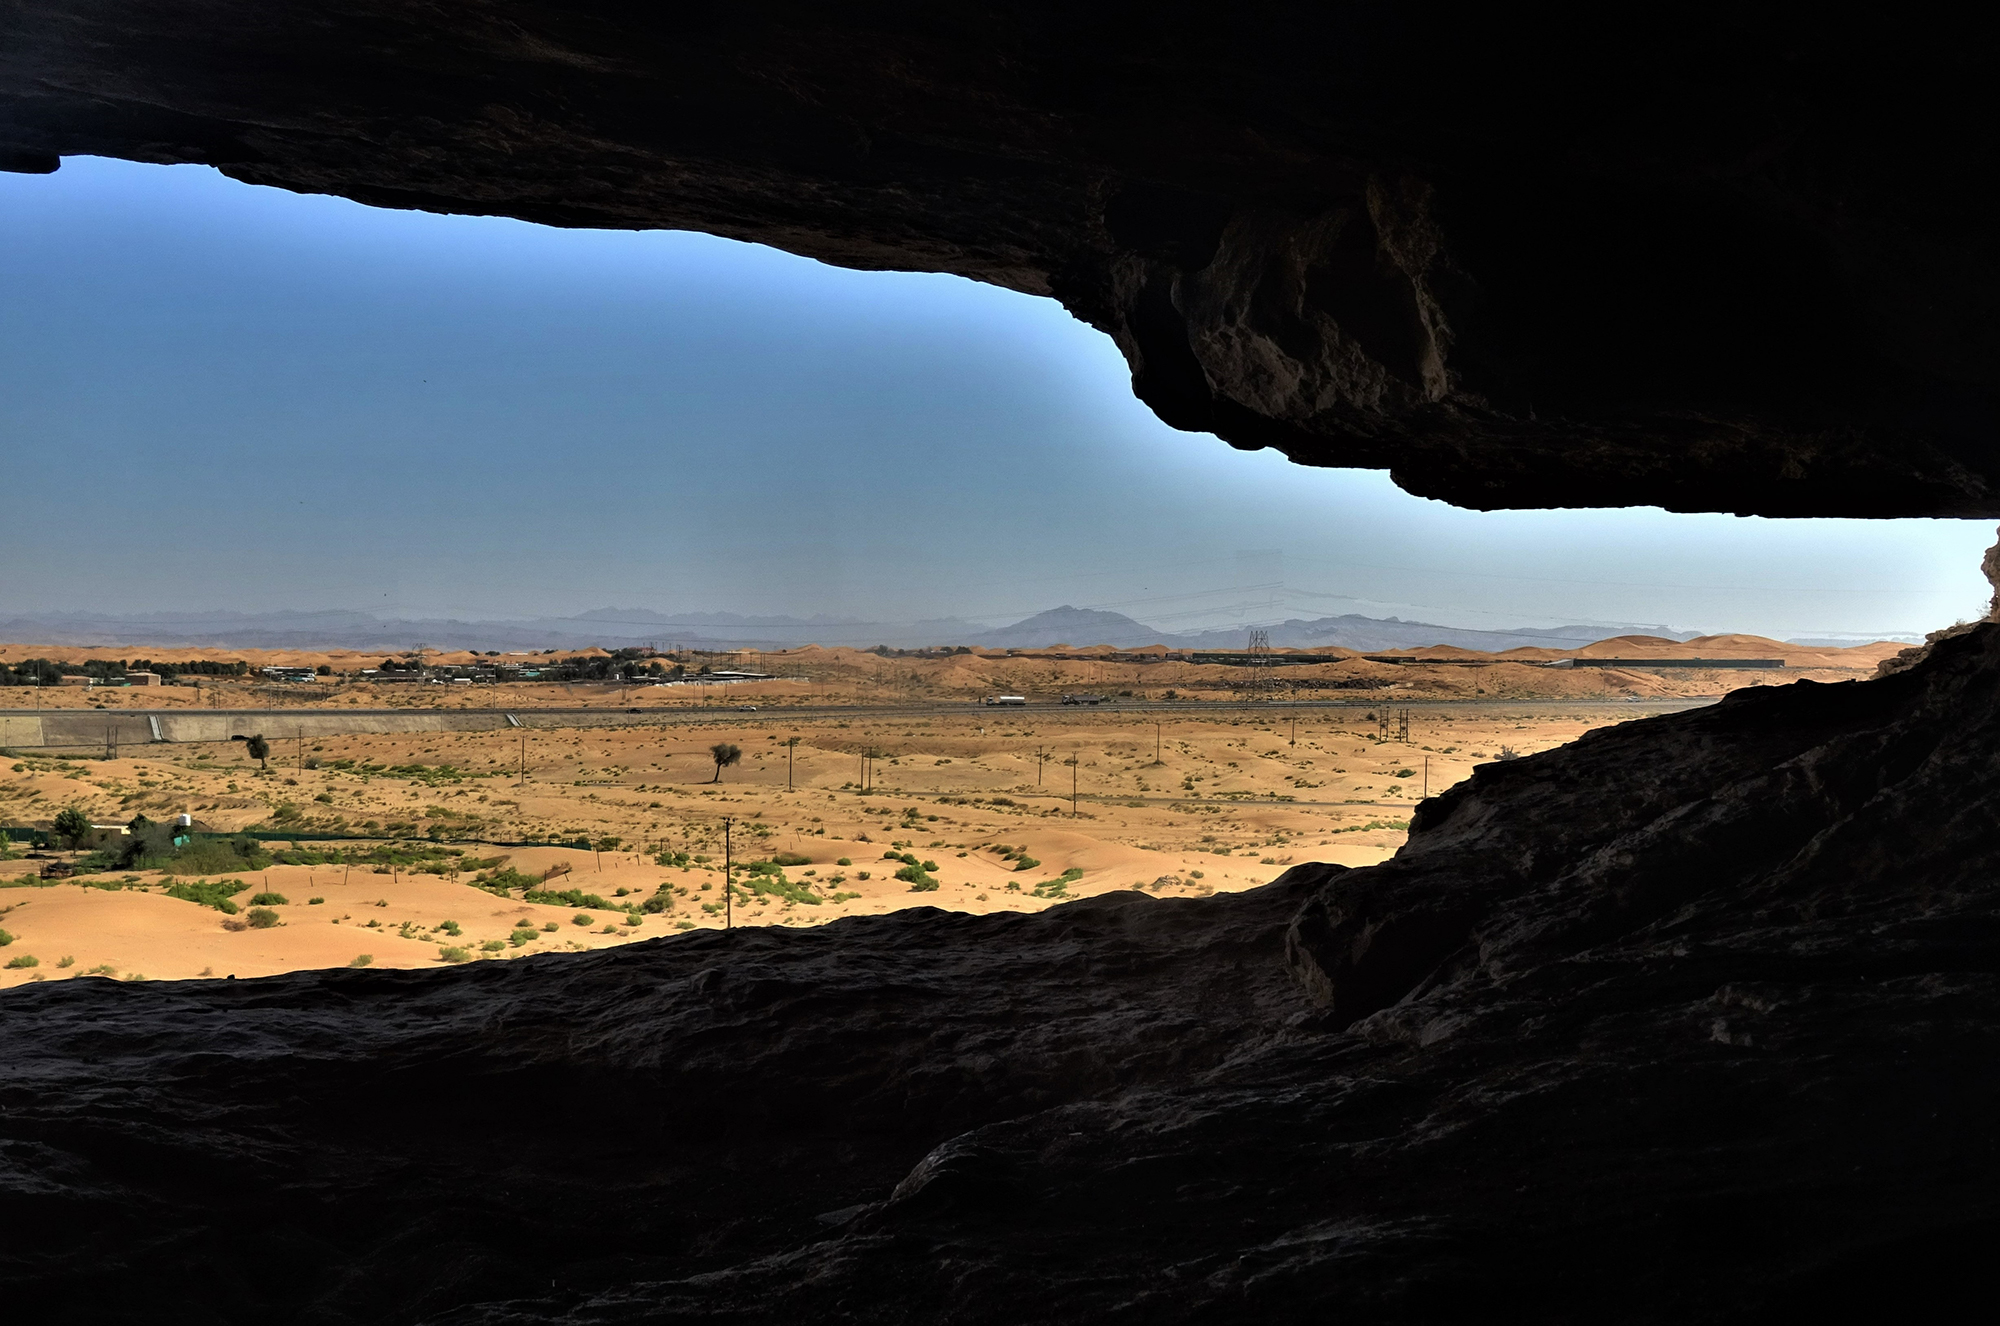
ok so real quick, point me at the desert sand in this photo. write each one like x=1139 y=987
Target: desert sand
x=1234 y=797
x=813 y=676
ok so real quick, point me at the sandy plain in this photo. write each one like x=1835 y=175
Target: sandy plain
x=1182 y=800
x=813 y=676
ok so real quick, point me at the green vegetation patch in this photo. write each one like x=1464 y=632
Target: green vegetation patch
x=566 y=898
x=216 y=894
x=432 y=775
x=1372 y=824
x=919 y=880
x=768 y=877
x=1059 y=886
x=500 y=882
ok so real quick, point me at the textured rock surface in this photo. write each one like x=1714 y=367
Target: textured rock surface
x=1736 y=262
x=1697 y=1018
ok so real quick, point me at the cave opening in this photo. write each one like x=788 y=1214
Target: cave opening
x=1691 y=1017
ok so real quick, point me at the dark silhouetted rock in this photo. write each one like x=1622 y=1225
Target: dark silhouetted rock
x=1737 y=262
x=1696 y=1018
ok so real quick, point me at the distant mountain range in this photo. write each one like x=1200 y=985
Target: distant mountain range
x=615 y=627
x=1087 y=626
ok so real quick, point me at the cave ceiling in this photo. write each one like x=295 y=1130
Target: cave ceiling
x=1721 y=261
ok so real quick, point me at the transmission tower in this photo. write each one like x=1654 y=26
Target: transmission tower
x=1260 y=663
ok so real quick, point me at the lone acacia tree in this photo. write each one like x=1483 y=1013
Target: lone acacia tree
x=72 y=826
x=724 y=755
x=260 y=750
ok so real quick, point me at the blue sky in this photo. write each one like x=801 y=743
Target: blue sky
x=214 y=396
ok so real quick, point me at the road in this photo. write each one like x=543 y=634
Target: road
x=111 y=730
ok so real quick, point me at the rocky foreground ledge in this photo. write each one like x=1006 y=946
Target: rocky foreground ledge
x=1695 y=1019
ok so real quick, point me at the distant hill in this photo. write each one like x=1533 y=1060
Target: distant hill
x=615 y=627
x=1849 y=641
x=1083 y=627
x=1071 y=626
x=1352 y=631
x=609 y=627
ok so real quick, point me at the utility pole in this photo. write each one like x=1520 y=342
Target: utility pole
x=1041 y=759
x=1295 y=729
x=302 y=750
x=1427 y=778
x=790 y=747
x=1073 y=762
x=1156 y=741
x=524 y=759
x=728 y=906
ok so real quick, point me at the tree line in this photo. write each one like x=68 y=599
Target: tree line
x=49 y=672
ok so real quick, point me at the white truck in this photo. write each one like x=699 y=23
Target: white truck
x=1006 y=699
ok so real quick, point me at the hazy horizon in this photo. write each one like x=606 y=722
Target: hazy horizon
x=225 y=398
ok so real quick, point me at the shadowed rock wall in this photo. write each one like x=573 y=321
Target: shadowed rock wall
x=1697 y=1018
x=1721 y=260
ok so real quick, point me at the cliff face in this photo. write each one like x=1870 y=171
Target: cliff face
x=1735 y=263
x=1696 y=1018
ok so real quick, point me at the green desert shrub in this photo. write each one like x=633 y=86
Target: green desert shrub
x=566 y=898
x=522 y=935
x=550 y=927
x=919 y=881
x=209 y=856
x=845 y=861
x=791 y=859
x=582 y=918
x=1059 y=886
x=493 y=946
x=6 y=938
x=24 y=960
x=261 y=918
x=450 y=953
x=499 y=882
x=451 y=928
x=314 y=902
x=216 y=894
x=66 y=962
x=361 y=960
x=268 y=900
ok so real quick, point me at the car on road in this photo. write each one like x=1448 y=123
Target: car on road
x=1083 y=699
x=746 y=708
